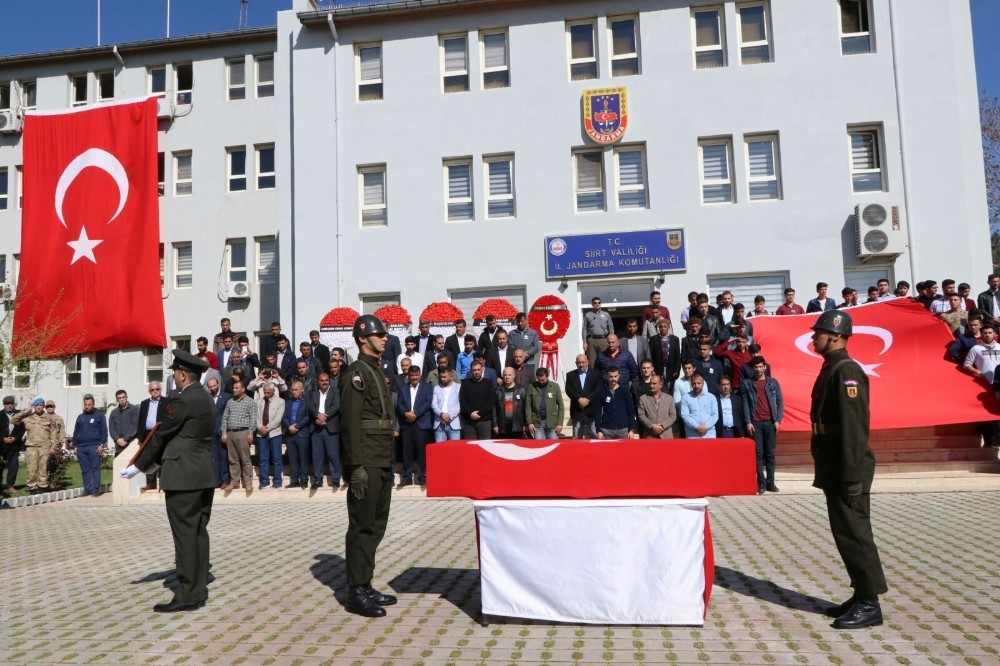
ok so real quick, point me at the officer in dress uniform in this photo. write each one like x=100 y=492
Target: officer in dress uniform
x=845 y=468
x=366 y=430
x=182 y=447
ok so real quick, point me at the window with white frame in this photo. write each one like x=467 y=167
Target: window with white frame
x=369 y=72
x=499 y=176
x=496 y=65
x=184 y=82
x=183 y=266
x=236 y=167
x=77 y=89
x=265 y=166
x=19 y=177
x=5 y=95
x=267 y=260
x=709 y=29
x=588 y=174
x=855 y=27
x=183 y=182
x=29 y=95
x=236 y=79
x=630 y=170
x=22 y=373
x=580 y=36
x=372 y=195
x=105 y=85
x=184 y=342
x=265 y=75
x=455 y=63
x=755 y=33
x=161 y=173
x=156 y=77
x=763 y=172
x=100 y=364
x=73 y=371
x=163 y=268
x=458 y=189
x=624 y=45
x=154 y=363
x=236 y=259
x=372 y=302
x=716 y=170
x=865 y=145
x=4 y=188
x=3 y=267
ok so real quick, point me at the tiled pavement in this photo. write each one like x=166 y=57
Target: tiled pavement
x=79 y=578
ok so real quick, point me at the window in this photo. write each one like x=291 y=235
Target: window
x=372 y=302
x=4 y=188
x=29 y=90
x=624 y=46
x=154 y=363
x=99 y=368
x=19 y=177
x=163 y=269
x=369 y=64
x=866 y=159
x=157 y=77
x=855 y=31
x=161 y=173
x=183 y=184
x=183 y=266
x=582 y=50
x=4 y=95
x=589 y=168
x=630 y=168
x=73 y=368
x=265 y=75
x=372 y=183
x=755 y=46
x=105 y=85
x=496 y=69
x=3 y=267
x=455 y=59
x=716 y=170
x=762 y=167
x=265 y=167
x=236 y=75
x=458 y=185
x=236 y=158
x=77 y=89
x=236 y=259
x=184 y=342
x=22 y=373
x=709 y=38
x=267 y=260
x=184 y=82
x=499 y=186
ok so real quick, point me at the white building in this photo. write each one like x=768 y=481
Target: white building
x=426 y=151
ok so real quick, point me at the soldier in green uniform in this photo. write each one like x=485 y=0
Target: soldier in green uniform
x=845 y=468
x=366 y=430
x=182 y=447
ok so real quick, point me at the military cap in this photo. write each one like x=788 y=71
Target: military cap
x=187 y=361
x=50 y=403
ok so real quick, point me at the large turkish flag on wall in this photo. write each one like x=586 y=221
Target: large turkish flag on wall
x=90 y=276
x=901 y=347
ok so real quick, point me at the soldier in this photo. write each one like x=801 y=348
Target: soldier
x=38 y=443
x=58 y=426
x=845 y=467
x=182 y=445
x=366 y=429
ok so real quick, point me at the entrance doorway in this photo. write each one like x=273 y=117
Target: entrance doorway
x=621 y=300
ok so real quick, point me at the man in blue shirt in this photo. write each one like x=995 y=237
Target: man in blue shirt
x=614 y=415
x=699 y=410
x=90 y=435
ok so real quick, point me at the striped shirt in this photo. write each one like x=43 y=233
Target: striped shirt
x=240 y=414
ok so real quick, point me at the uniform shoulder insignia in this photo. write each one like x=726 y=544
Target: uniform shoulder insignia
x=357 y=381
x=171 y=409
x=851 y=388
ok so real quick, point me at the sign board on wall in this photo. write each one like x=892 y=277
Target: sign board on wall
x=586 y=255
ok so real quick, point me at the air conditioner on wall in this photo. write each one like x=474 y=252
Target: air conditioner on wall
x=239 y=289
x=164 y=109
x=879 y=230
x=10 y=122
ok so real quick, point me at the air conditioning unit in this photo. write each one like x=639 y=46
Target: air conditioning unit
x=239 y=289
x=879 y=230
x=7 y=292
x=164 y=109
x=10 y=122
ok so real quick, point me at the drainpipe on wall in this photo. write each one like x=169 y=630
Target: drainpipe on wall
x=902 y=142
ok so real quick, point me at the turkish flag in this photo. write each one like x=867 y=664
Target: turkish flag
x=901 y=347
x=90 y=272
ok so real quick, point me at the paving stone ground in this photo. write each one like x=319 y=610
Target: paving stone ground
x=80 y=578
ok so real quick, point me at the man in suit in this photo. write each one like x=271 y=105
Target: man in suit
x=665 y=353
x=306 y=354
x=13 y=434
x=182 y=447
x=501 y=355
x=455 y=343
x=524 y=372
x=324 y=414
x=285 y=359
x=319 y=351
x=270 y=410
x=270 y=343
x=415 y=419
x=296 y=425
x=150 y=415
x=989 y=300
x=657 y=411
x=487 y=339
x=582 y=385
x=731 y=422
x=436 y=348
x=635 y=341
x=228 y=347
x=393 y=348
x=220 y=456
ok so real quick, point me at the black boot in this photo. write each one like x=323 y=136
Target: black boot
x=837 y=611
x=360 y=602
x=379 y=598
x=864 y=613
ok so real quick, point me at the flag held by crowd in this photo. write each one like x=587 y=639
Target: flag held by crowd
x=89 y=277
x=901 y=347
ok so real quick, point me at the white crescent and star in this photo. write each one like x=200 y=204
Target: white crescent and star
x=804 y=340
x=512 y=451
x=83 y=247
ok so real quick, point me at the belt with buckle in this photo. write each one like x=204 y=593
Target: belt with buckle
x=597 y=337
x=376 y=424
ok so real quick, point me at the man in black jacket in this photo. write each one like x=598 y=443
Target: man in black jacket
x=475 y=399
x=10 y=436
x=508 y=409
x=665 y=353
x=582 y=385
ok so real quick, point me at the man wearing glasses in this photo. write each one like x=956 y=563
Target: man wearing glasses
x=597 y=325
x=149 y=416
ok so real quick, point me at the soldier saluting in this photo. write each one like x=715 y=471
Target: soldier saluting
x=845 y=468
x=366 y=431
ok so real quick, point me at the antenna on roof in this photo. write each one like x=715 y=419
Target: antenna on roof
x=244 y=13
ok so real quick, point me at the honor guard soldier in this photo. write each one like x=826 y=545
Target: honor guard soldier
x=182 y=447
x=845 y=468
x=366 y=428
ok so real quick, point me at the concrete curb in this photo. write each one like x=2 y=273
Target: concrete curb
x=45 y=498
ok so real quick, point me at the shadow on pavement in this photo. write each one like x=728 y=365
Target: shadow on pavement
x=765 y=590
x=331 y=570
x=460 y=587
x=169 y=578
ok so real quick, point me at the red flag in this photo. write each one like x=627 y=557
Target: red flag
x=90 y=277
x=902 y=348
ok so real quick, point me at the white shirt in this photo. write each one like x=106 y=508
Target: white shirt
x=985 y=358
x=151 y=414
x=416 y=359
x=413 y=395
